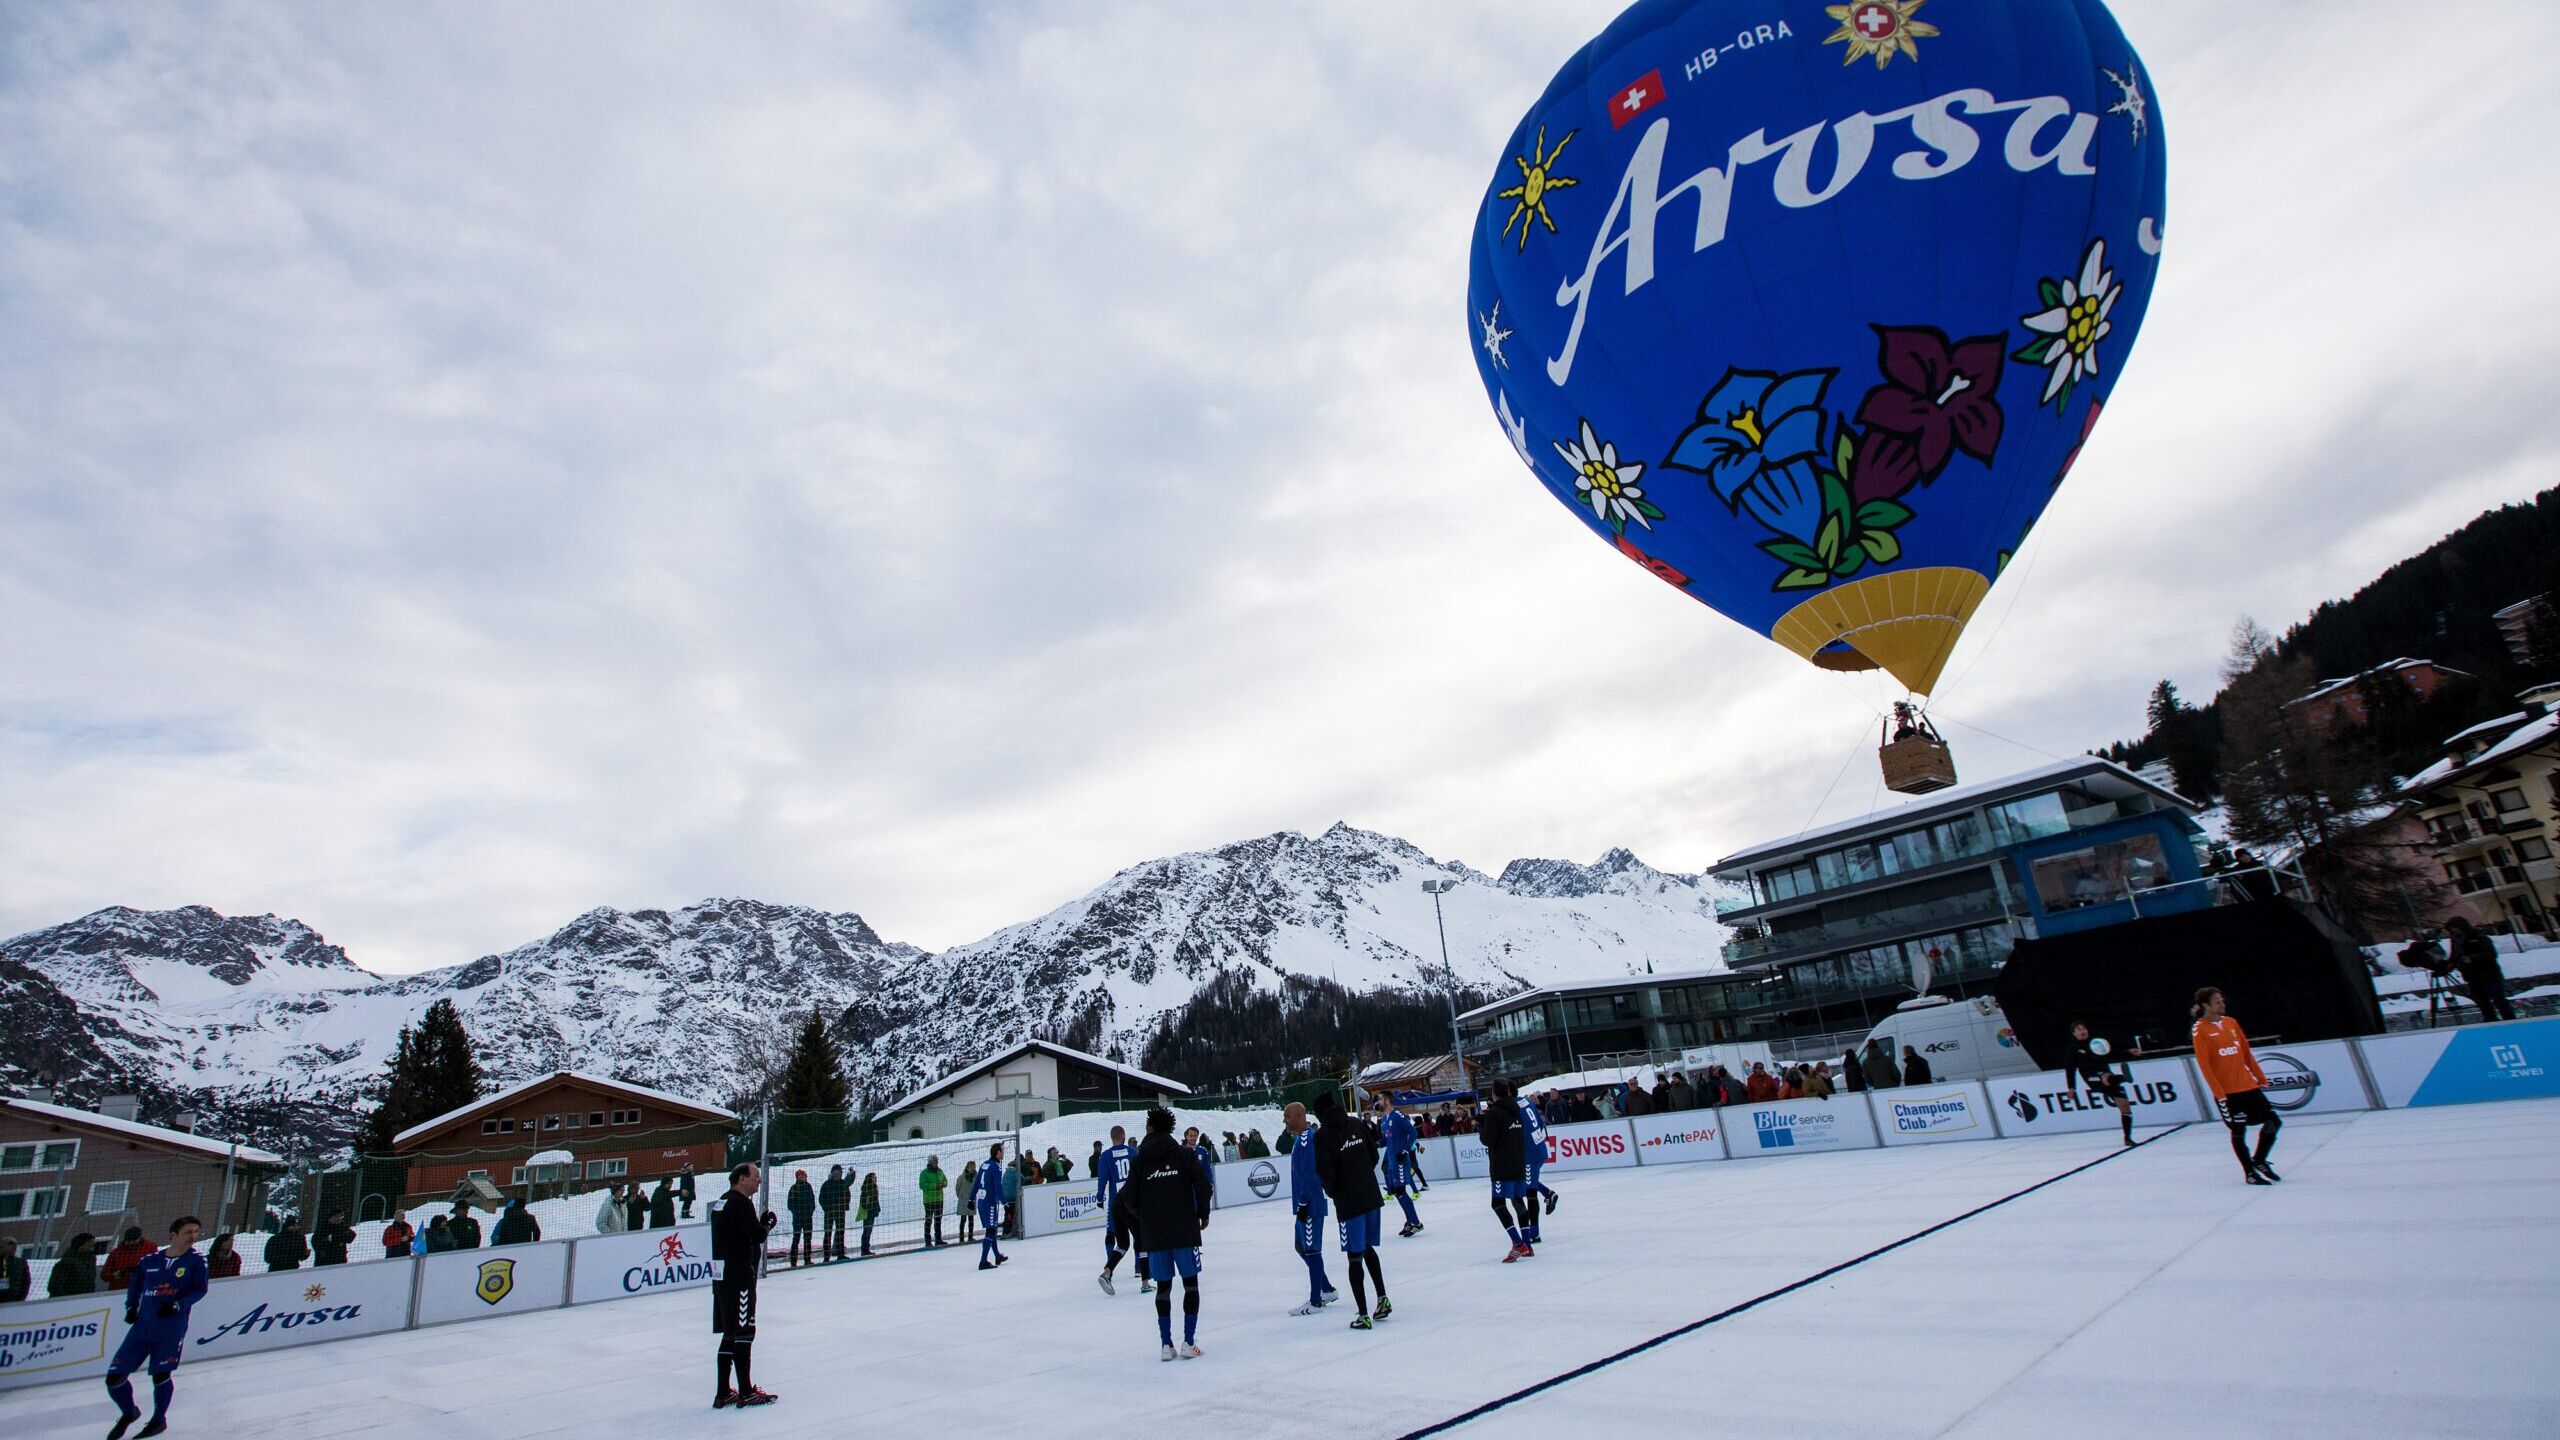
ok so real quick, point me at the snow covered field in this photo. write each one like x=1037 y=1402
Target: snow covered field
x=2402 y=1283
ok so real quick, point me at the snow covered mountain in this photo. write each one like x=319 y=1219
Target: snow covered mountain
x=261 y=1021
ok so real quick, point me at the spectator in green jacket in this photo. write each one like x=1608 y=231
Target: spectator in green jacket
x=932 y=1183
x=870 y=1207
x=75 y=1270
x=1013 y=1196
x=834 y=1198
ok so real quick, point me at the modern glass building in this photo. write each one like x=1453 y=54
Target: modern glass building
x=1848 y=920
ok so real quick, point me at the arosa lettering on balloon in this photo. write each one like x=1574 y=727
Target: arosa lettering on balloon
x=2042 y=132
x=259 y=1319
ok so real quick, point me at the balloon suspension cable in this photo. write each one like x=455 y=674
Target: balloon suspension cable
x=2015 y=593
x=1856 y=749
x=2005 y=740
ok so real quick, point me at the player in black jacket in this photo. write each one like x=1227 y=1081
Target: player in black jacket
x=1506 y=1154
x=1163 y=1206
x=1347 y=1165
x=2089 y=1056
x=737 y=1248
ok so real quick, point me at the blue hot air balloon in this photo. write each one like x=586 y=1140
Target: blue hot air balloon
x=1808 y=308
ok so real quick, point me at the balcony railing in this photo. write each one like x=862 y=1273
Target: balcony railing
x=1864 y=929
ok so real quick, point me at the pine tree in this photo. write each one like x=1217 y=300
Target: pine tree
x=432 y=1071
x=813 y=1079
x=2165 y=707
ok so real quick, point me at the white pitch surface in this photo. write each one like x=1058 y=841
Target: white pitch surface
x=2402 y=1282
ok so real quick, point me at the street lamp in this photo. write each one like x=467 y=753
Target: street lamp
x=1457 y=1048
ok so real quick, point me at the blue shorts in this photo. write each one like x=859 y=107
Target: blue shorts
x=1310 y=1236
x=1360 y=1232
x=1399 y=1172
x=990 y=1212
x=162 y=1348
x=1163 y=1265
x=1510 y=1189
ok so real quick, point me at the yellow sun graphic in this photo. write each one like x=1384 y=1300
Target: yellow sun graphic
x=1537 y=177
x=1878 y=28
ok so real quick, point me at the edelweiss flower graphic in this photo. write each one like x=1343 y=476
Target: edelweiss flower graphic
x=1878 y=28
x=1607 y=484
x=2072 y=323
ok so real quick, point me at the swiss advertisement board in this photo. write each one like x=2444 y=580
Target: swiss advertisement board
x=1931 y=1114
x=1787 y=1127
x=250 y=1313
x=467 y=1284
x=2312 y=1079
x=66 y=1339
x=2054 y=1102
x=641 y=1262
x=1678 y=1138
x=1591 y=1145
x=2515 y=1060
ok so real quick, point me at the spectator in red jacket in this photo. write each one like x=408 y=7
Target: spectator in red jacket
x=1761 y=1086
x=121 y=1260
x=397 y=1236
x=222 y=1262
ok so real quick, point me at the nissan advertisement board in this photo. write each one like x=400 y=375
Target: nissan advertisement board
x=1929 y=1114
x=2313 y=1079
x=1591 y=1145
x=2054 y=1102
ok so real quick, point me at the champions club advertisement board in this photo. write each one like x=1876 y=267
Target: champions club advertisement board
x=1929 y=1114
x=1592 y=1145
x=1678 y=1138
x=2054 y=1102
x=1789 y=1127
x=67 y=1339
x=2515 y=1060
x=467 y=1284
x=641 y=1262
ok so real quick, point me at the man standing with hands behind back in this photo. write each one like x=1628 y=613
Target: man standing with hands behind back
x=737 y=1250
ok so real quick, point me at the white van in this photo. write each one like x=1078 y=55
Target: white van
x=1961 y=1039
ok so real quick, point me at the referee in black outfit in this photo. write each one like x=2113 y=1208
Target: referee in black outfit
x=737 y=1248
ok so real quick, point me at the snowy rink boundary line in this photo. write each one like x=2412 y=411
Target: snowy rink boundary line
x=1666 y=1337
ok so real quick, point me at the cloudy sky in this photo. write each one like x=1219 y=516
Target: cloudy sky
x=464 y=465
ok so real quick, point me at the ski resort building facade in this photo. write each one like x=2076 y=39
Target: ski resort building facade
x=1032 y=1082
x=611 y=1129
x=2491 y=808
x=64 y=1171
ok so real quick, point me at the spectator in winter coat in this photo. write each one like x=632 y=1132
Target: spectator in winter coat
x=1638 y=1102
x=438 y=1239
x=611 y=1217
x=2476 y=956
x=1684 y=1096
x=465 y=1227
x=1058 y=1168
x=684 y=1189
x=1661 y=1096
x=1013 y=1198
x=75 y=1270
x=867 y=1209
x=1608 y=1103
x=930 y=1184
x=286 y=1249
x=802 y=1201
x=662 y=1204
x=1882 y=1073
x=635 y=1207
x=1915 y=1068
x=222 y=1262
x=1817 y=1081
x=397 y=1236
x=1093 y=1162
x=968 y=1193
x=516 y=1226
x=1789 y=1087
x=16 y=1277
x=1851 y=1077
x=1229 y=1147
x=329 y=1243
x=127 y=1254
x=1761 y=1087
x=834 y=1198
x=1208 y=1154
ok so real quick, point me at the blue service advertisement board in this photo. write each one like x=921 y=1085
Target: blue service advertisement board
x=1789 y=1127
x=2517 y=1060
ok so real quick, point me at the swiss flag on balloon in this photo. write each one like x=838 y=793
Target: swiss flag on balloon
x=1636 y=99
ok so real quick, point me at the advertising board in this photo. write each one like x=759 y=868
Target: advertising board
x=1932 y=1114
x=1786 y=1127
x=2054 y=1102
x=1591 y=1145
x=467 y=1284
x=640 y=1262
x=2516 y=1060
x=1678 y=1138
x=67 y=1339
x=1250 y=1182
x=2313 y=1079
x=300 y=1307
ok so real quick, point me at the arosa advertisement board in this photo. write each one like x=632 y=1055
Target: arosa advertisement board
x=1592 y=1145
x=1787 y=1127
x=300 y=1307
x=1929 y=1114
x=467 y=1284
x=2516 y=1060
x=2052 y=1102
x=641 y=1262
x=1679 y=1137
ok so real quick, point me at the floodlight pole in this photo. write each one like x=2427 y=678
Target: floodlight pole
x=1457 y=1047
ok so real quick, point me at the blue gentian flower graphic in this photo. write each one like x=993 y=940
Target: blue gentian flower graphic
x=1758 y=441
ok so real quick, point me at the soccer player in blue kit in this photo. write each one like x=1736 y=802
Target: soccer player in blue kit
x=990 y=1198
x=1107 y=1179
x=1396 y=1137
x=1533 y=1135
x=1307 y=1203
x=164 y=1287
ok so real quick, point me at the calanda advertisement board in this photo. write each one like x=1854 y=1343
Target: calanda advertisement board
x=641 y=1262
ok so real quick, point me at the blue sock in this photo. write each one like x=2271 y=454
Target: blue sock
x=1315 y=1278
x=1164 y=1326
x=1405 y=1198
x=120 y=1390
x=161 y=1389
x=1513 y=1231
x=1190 y=1325
x=986 y=1245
